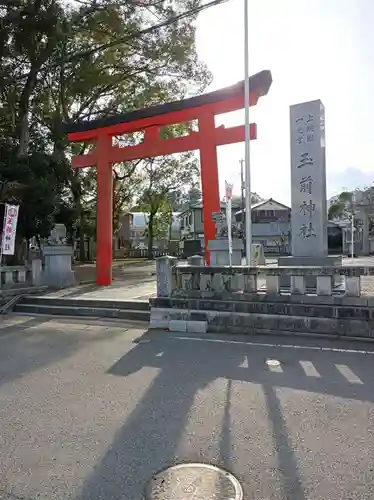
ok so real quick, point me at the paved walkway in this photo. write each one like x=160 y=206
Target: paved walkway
x=132 y=280
x=88 y=414
x=124 y=270
x=119 y=290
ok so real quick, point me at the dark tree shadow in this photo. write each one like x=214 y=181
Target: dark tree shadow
x=291 y=483
x=149 y=438
x=25 y=348
x=225 y=445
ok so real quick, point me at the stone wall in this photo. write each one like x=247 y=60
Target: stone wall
x=250 y=301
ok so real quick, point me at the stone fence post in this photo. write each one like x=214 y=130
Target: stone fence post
x=164 y=273
x=37 y=272
x=195 y=260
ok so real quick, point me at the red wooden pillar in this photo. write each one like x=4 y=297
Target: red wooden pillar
x=209 y=177
x=104 y=212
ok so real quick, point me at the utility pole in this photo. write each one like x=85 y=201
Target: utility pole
x=353 y=226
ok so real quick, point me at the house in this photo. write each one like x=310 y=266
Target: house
x=271 y=225
x=192 y=221
x=133 y=230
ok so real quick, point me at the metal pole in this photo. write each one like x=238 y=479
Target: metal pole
x=2 y=240
x=247 y=159
x=353 y=226
x=242 y=191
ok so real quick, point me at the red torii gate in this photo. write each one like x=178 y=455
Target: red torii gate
x=203 y=108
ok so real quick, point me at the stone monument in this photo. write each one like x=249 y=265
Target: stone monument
x=57 y=256
x=308 y=188
x=219 y=248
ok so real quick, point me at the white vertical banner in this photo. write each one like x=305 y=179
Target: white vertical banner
x=228 y=195
x=9 y=229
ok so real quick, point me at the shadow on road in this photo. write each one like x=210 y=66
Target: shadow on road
x=292 y=486
x=33 y=344
x=149 y=439
x=225 y=444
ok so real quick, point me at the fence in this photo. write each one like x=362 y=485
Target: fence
x=143 y=253
x=209 y=281
x=15 y=275
x=275 y=251
x=275 y=300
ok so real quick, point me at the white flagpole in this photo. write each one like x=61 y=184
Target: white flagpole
x=247 y=159
x=228 y=219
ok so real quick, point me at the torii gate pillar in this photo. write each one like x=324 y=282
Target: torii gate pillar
x=203 y=108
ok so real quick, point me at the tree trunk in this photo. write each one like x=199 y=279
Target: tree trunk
x=82 y=248
x=150 y=236
x=76 y=190
x=23 y=112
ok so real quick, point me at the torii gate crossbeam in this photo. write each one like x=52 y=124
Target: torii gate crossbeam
x=203 y=108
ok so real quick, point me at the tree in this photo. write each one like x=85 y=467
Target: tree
x=61 y=62
x=35 y=182
x=182 y=198
x=359 y=205
x=341 y=206
x=255 y=198
x=160 y=177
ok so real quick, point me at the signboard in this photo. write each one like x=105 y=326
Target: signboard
x=9 y=229
x=228 y=190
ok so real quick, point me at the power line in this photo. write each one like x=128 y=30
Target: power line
x=152 y=28
x=174 y=19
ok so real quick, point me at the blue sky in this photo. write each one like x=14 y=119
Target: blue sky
x=316 y=49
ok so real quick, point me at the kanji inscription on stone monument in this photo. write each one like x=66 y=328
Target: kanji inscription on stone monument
x=308 y=180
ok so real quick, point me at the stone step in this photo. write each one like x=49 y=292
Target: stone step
x=138 y=305
x=86 y=308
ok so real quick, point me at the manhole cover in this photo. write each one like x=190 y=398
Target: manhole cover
x=194 y=481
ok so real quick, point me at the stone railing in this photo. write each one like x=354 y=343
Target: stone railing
x=206 y=281
x=19 y=276
x=238 y=279
x=271 y=300
x=15 y=275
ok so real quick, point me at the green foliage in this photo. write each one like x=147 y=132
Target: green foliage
x=341 y=206
x=181 y=199
x=72 y=61
x=161 y=177
x=36 y=182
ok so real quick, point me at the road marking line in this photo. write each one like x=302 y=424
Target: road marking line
x=283 y=346
x=245 y=363
x=158 y=355
x=348 y=374
x=309 y=369
x=274 y=365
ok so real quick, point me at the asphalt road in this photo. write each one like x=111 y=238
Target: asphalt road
x=86 y=413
